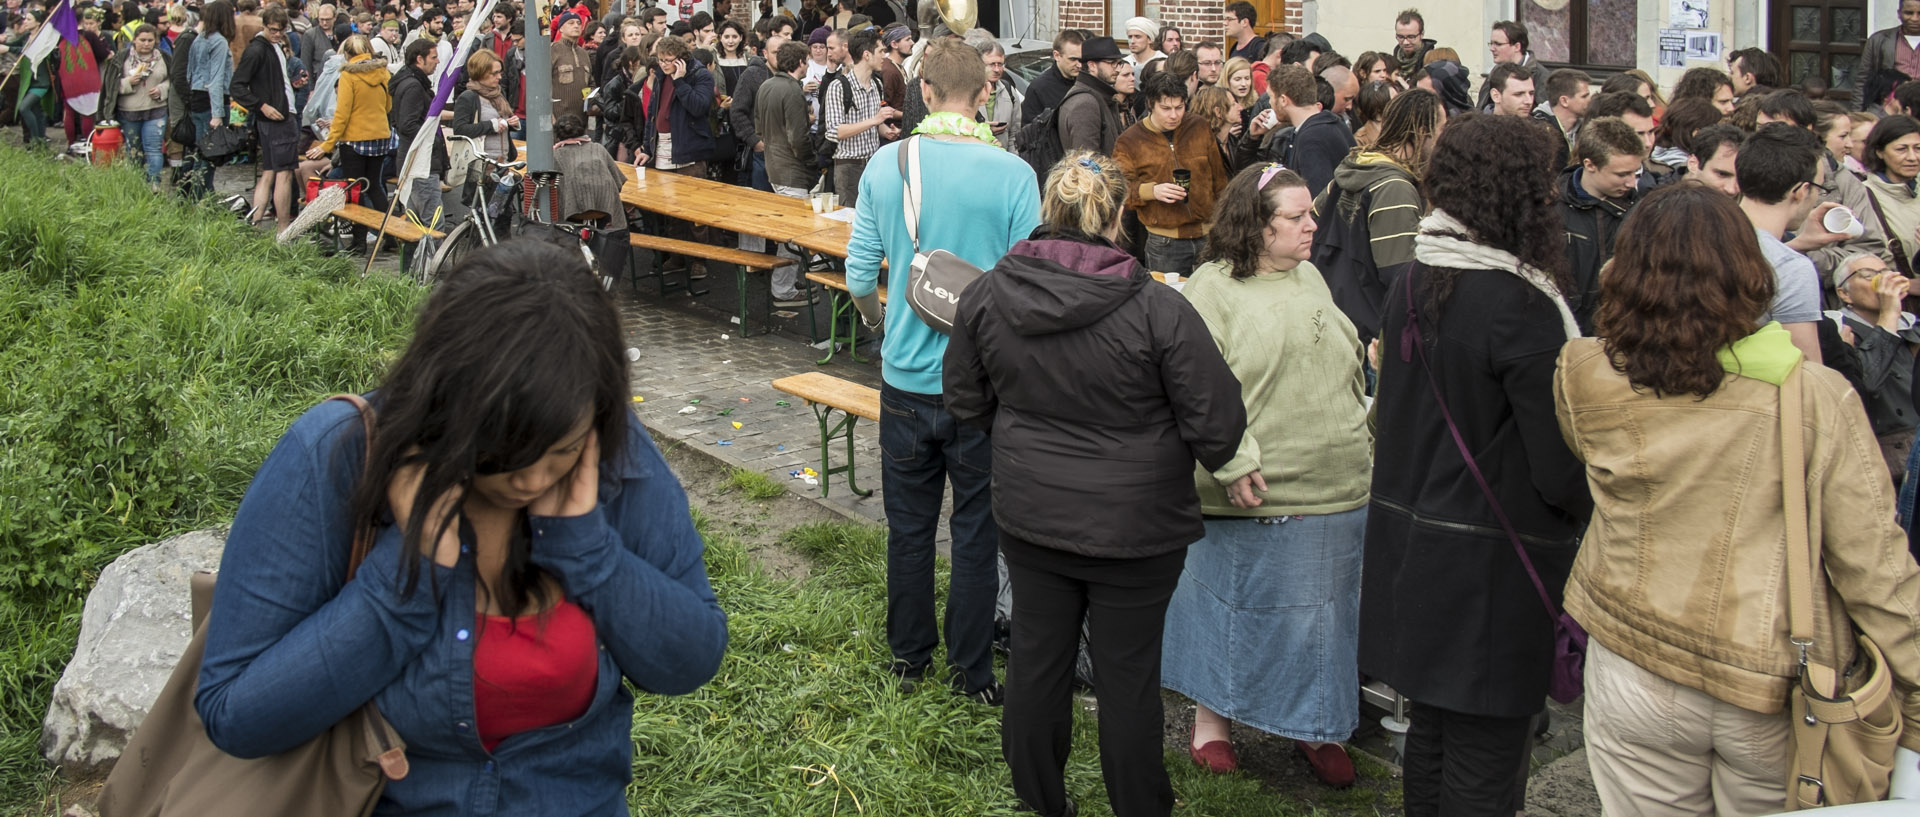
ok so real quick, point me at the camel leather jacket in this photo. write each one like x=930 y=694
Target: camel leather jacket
x=1683 y=567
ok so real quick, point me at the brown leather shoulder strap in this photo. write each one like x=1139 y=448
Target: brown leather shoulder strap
x=363 y=535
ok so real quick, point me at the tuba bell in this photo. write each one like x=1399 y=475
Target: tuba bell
x=959 y=16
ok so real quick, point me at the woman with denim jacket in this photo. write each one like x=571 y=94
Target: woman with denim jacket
x=531 y=555
x=209 y=72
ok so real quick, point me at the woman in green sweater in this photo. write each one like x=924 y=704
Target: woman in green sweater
x=1264 y=626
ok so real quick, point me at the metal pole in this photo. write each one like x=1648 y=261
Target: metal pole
x=539 y=86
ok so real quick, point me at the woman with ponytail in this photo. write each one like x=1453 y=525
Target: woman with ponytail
x=531 y=556
x=1093 y=474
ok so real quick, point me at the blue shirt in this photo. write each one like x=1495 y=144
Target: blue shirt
x=978 y=201
x=292 y=647
x=210 y=69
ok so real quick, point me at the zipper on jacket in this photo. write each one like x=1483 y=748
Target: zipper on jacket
x=1466 y=527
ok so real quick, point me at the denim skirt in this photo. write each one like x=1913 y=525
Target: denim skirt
x=1264 y=627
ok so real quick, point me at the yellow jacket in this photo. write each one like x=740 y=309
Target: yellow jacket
x=1683 y=568
x=360 y=114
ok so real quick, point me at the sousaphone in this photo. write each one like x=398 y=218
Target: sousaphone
x=960 y=16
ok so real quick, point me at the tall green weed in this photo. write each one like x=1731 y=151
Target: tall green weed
x=151 y=352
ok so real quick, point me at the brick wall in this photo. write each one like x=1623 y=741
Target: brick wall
x=1197 y=19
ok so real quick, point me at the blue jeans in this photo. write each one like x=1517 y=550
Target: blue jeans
x=33 y=118
x=149 y=139
x=1175 y=255
x=923 y=449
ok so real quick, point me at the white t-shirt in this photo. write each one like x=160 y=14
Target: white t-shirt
x=1913 y=41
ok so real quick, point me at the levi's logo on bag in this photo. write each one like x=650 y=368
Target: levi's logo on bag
x=936 y=279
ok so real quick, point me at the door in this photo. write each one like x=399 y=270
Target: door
x=1820 y=40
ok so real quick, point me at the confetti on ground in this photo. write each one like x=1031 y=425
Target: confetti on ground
x=695 y=401
x=725 y=442
x=779 y=448
x=723 y=337
x=736 y=426
x=633 y=354
x=725 y=362
x=639 y=399
x=782 y=403
x=689 y=409
x=746 y=399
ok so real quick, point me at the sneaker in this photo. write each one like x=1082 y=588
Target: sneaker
x=697 y=272
x=993 y=694
x=796 y=299
x=910 y=675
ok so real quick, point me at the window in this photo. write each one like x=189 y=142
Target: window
x=1821 y=39
x=1586 y=33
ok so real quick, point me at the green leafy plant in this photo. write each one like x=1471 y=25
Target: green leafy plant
x=151 y=352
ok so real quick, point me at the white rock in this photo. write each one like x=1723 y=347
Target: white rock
x=136 y=623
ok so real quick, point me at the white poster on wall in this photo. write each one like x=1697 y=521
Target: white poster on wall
x=1688 y=13
x=1703 y=46
x=1673 y=48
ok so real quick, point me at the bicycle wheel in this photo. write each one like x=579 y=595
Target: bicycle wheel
x=461 y=241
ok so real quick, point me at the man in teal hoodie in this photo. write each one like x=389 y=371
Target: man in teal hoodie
x=976 y=201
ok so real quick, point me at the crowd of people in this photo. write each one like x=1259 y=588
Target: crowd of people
x=1431 y=368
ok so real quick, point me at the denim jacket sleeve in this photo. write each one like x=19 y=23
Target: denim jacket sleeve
x=292 y=646
x=635 y=565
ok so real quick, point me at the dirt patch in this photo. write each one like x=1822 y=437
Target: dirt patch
x=728 y=511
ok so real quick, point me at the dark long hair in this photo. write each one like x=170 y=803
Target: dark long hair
x=1496 y=176
x=1407 y=127
x=1687 y=278
x=512 y=348
x=1238 y=234
x=217 y=17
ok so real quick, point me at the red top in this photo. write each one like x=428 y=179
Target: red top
x=532 y=672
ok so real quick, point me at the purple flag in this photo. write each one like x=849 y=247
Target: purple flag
x=63 y=21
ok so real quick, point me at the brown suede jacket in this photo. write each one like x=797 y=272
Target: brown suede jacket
x=1683 y=568
x=1148 y=158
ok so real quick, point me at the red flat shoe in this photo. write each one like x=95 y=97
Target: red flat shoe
x=1215 y=756
x=1330 y=763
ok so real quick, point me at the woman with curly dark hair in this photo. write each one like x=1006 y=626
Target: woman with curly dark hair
x=1449 y=616
x=1680 y=377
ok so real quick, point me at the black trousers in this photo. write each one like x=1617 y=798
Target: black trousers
x=1125 y=603
x=372 y=170
x=1460 y=765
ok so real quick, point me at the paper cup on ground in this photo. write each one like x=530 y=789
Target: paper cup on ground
x=1841 y=220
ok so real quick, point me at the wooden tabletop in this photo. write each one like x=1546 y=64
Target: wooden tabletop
x=730 y=207
x=830 y=241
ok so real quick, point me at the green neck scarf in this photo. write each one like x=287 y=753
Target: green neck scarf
x=953 y=124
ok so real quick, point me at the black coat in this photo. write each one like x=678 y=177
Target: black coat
x=1592 y=226
x=412 y=94
x=1448 y=616
x=1101 y=387
x=257 y=80
x=1044 y=92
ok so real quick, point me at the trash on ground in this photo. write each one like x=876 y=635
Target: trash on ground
x=689 y=409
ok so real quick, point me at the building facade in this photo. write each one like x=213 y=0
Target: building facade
x=1813 y=38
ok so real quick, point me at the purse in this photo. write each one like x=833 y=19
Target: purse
x=936 y=279
x=171 y=769
x=223 y=142
x=1566 y=680
x=182 y=133
x=351 y=187
x=1846 y=725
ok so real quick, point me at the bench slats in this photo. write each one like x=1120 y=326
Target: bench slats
x=837 y=280
x=399 y=228
x=825 y=389
x=724 y=255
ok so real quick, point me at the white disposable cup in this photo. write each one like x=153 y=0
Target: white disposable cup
x=832 y=202
x=818 y=200
x=1841 y=220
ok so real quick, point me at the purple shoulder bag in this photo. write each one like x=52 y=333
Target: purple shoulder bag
x=1569 y=639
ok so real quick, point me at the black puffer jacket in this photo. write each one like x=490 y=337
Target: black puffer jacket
x=1592 y=226
x=1101 y=388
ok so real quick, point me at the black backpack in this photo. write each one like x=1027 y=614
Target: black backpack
x=822 y=146
x=1038 y=142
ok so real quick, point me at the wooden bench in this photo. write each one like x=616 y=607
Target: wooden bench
x=399 y=229
x=743 y=261
x=840 y=301
x=826 y=394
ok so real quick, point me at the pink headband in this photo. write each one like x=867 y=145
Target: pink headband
x=1268 y=174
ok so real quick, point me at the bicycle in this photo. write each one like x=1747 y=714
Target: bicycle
x=475 y=229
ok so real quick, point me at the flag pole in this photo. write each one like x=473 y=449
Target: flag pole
x=406 y=181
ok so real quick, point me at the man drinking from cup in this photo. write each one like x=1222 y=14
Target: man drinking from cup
x=1882 y=340
x=1175 y=172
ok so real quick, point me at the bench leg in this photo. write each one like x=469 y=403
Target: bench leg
x=829 y=431
x=835 y=306
x=406 y=257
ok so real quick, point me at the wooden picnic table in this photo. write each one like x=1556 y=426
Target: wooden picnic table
x=728 y=207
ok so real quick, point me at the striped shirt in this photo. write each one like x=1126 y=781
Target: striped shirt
x=866 y=103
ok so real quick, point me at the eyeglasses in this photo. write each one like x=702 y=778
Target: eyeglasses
x=276 y=29
x=1825 y=190
x=1212 y=63
x=1867 y=271
x=1497 y=44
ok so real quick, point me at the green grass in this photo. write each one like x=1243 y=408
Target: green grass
x=151 y=352
x=803 y=718
x=754 y=484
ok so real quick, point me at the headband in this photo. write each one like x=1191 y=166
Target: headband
x=1273 y=168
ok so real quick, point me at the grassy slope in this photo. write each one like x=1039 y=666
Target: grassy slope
x=150 y=354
